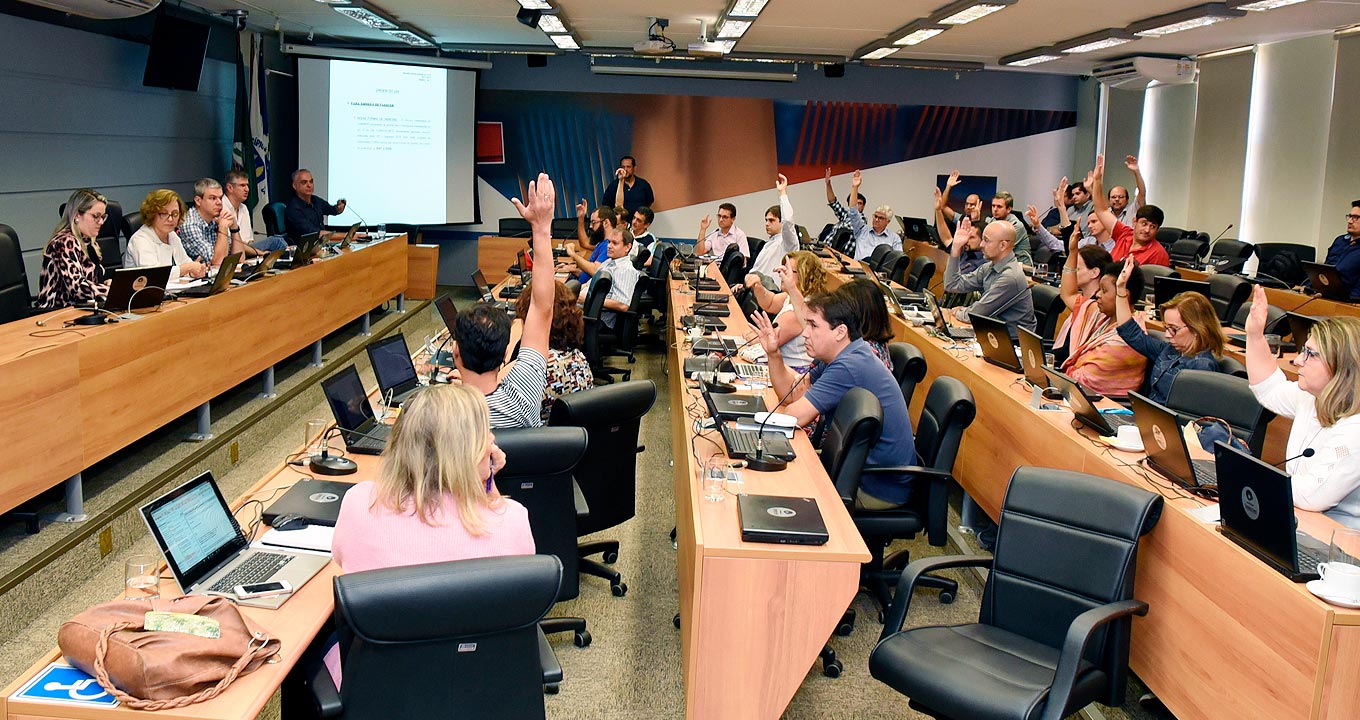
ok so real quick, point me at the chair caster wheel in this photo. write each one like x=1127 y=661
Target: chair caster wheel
x=551 y=689
x=845 y=628
x=676 y=621
x=619 y=590
x=833 y=668
x=946 y=597
x=582 y=638
x=880 y=617
x=611 y=557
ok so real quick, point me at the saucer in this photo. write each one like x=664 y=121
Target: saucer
x=1318 y=586
x=1127 y=447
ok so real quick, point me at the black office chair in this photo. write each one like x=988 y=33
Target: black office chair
x=15 y=301
x=1266 y=251
x=733 y=265
x=949 y=410
x=1229 y=365
x=921 y=274
x=1048 y=306
x=1053 y=632
x=656 y=294
x=538 y=475
x=1168 y=236
x=844 y=241
x=592 y=337
x=640 y=260
x=607 y=476
x=1227 y=293
x=273 y=218
x=896 y=266
x=1230 y=251
x=1187 y=251
x=755 y=245
x=623 y=337
x=426 y=640
x=132 y=222
x=1197 y=393
x=909 y=367
x=1277 y=320
x=876 y=256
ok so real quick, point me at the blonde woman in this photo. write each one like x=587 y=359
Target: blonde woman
x=71 y=270
x=1323 y=405
x=802 y=276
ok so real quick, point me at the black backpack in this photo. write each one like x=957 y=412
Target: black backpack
x=1285 y=266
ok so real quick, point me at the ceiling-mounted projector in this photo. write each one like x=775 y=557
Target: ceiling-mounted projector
x=100 y=9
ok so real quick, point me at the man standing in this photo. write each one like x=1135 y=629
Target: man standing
x=627 y=190
x=209 y=232
x=1344 y=254
x=867 y=235
x=235 y=190
x=306 y=213
x=1000 y=280
x=783 y=239
x=1138 y=242
x=728 y=233
x=618 y=244
x=483 y=331
x=1119 y=195
x=831 y=334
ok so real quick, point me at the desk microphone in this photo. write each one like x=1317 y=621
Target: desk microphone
x=434 y=366
x=726 y=358
x=758 y=461
x=1283 y=285
x=96 y=316
x=1307 y=453
x=326 y=464
x=1214 y=242
x=356 y=214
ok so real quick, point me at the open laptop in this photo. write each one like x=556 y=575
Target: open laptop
x=318 y=501
x=995 y=340
x=953 y=333
x=479 y=280
x=1032 y=357
x=308 y=248
x=918 y=229
x=1106 y=424
x=392 y=366
x=354 y=417
x=207 y=550
x=137 y=288
x=225 y=273
x=1325 y=280
x=785 y=520
x=1256 y=505
x=1165 y=288
x=346 y=241
x=260 y=270
x=741 y=443
x=1165 y=445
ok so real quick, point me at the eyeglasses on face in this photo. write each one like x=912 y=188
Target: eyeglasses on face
x=1305 y=355
x=1353 y=218
x=98 y=217
x=724 y=216
x=168 y=214
x=1173 y=329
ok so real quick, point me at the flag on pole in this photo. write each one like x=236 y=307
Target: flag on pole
x=260 y=195
x=240 y=144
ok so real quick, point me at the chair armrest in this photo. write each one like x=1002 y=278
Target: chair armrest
x=1074 y=645
x=582 y=507
x=547 y=659
x=897 y=612
x=917 y=470
x=325 y=695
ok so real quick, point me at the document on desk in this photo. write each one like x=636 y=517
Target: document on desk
x=184 y=285
x=311 y=540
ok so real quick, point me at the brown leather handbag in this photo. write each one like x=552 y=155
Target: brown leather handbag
x=154 y=670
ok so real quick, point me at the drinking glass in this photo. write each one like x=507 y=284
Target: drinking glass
x=314 y=440
x=141 y=577
x=715 y=478
x=1345 y=547
x=1273 y=342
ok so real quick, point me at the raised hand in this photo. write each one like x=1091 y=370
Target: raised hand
x=953 y=180
x=856 y=180
x=581 y=208
x=964 y=236
x=618 y=173
x=828 y=175
x=781 y=183
x=1131 y=163
x=703 y=224
x=939 y=199
x=1099 y=171
x=769 y=337
x=1075 y=240
x=1260 y=307
x=1032 y=213
x=1123 y=280
x=1060 y=193
x=542 y=200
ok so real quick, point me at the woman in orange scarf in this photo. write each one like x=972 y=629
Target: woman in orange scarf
x=1097 y=357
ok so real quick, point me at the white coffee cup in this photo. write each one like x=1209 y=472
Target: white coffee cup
x=1127 y=437
x=1340 y=580
x=695 y=333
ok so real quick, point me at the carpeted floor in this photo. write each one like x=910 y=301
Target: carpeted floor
x=632 y=668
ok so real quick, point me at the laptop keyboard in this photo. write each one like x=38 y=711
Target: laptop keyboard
x=742 y=443
x=1309 y=559
x=260 y=567
x=748 y=371
x=1205 y=473
x=1118 y=420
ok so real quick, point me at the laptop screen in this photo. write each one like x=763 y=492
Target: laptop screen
x=1165 y=288
x=479 y=280
x=347 y=399
x=195 y=529
x=447 y=311
x=392 y=362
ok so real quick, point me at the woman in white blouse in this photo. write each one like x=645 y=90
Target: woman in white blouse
x=156 y=243
x=1323 y=405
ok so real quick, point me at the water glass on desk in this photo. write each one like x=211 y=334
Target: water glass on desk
x=716 y=472
x=141 y=578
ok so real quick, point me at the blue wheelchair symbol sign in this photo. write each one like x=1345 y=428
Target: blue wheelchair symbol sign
x=65 y=684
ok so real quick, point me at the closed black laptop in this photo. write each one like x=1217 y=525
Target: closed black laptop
x=732 y=406
x=785 y=520
x=316 y=500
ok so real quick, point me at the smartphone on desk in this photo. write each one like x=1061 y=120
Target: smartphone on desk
x=265 y=589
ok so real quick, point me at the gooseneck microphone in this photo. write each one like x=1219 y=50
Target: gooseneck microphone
x=1214 y=242
x=758 y=461
x=327 y=464
x=1307 y=453
x=434 y=367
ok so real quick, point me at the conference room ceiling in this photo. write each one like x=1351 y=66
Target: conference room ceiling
x=810 y=27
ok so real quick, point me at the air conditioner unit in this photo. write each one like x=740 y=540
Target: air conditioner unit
x=100 y=9
x=1139 y=72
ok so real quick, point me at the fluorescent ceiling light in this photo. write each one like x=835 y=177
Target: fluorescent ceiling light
x=1095 y=41
x=333 y=2
x=551 y=24
x=918 y=36
x=969 y=14
x=409 y=38
x=367 y=17
x=746 y=8
x=733 y=28
x=1030 y=57
x=565 y=42
x=1188 y=19
x=1095 y=45
x=879 y=54
x=1264 y=5
x=694 y=72
x=727 y=45
x=535 y=4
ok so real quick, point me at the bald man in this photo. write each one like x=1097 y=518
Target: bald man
x=1001 y=280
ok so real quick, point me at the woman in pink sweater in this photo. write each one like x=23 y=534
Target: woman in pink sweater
x=434 y=499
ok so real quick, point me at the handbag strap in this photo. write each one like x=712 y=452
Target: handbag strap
x=101 y=674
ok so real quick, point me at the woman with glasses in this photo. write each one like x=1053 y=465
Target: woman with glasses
x=1194 y=337
x=1323 y=404
x=157 y=243
x=72 y=273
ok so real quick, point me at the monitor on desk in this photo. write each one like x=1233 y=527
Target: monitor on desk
x=1165 y=288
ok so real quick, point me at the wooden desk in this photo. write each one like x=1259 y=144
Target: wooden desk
x=1317 y=305
x=753 y=616
x=1227 y=636
x=81 y=396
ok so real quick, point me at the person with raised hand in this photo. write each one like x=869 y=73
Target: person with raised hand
x=1194 y=337
x=1140 y=241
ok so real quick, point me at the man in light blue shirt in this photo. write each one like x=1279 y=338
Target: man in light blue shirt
x=867 y=235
